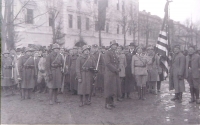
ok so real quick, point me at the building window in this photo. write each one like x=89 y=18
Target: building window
x=70 y=21
x=123 y=6
x=50 y=21
x=78 y=3
x=79 y=22
x=96 y=26
x=87 y=23
x=107 y=27
x=117 y=6
x=117 y=29
x=29 y=16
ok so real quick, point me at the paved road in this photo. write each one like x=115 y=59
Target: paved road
x=156 y=109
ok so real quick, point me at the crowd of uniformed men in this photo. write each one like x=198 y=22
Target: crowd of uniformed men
x=113 y=72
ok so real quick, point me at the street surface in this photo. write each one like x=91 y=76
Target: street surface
x=155 y=110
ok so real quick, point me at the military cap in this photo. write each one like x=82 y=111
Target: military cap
x=94 y=46
x=6 y=52
x=191 y=46
x=176 y=46
x=114 y=42
x=85 y=47
x=150 y=48
x=28 y=49
x=55 y=46
x=139 y=47
x=18 y=50
x=121 y=47
x=132 y=44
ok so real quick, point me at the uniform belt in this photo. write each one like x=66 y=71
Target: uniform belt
x=139 y=66
x=29 y=67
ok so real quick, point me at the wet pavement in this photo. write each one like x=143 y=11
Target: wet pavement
x=156 y=109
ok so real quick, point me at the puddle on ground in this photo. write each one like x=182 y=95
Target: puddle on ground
x=186 y=110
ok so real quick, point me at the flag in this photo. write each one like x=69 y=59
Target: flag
x=163 y=50
x=102 y=14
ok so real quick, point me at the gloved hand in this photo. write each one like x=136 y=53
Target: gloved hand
x=50 y=77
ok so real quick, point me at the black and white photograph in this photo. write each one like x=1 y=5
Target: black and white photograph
x=103 y=62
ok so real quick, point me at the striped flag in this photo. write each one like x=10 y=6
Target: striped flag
x=162 y=49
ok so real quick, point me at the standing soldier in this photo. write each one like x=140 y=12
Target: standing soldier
x=152 y=68
x=129 y=83
x=122 y=66
x=111 y=77
x=54 y=63
x=27 y=73
x=177 y=71
x=84 y=65
x=97 y=56
x=72 y=69
x=139 y=70
x=7 y=75
x=193 y=73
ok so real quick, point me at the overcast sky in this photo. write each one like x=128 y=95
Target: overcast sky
x=180 y=10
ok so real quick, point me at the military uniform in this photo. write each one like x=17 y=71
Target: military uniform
x=111 y=77
x=54 y=63
x=7 y=71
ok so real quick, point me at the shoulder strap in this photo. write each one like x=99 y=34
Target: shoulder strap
x=86 y=61
x=55 y=59
x=27 y=60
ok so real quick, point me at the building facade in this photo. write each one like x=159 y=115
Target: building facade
x=149 y=28
x=75 y=20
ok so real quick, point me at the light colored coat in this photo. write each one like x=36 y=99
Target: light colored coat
x=122 y=65
x=177 y=69
x=139 y=65
x=152 y=67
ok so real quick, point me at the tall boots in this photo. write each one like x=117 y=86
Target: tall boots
x=158 y=85
x=180 y=94
x=108 y=103
x=175 y=97
x=141 y=93
x=196 y=92
x=81 y=101
x=192 y=95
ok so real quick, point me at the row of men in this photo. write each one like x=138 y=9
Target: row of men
x=115 y=71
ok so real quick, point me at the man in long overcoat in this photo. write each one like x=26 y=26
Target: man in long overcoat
x=177 y=71
x=84 y=66
x=129 y=85
x=193 y=73
x=111 y=78
x=54 y=63
x=27 y=73
x=72 y=70
x=99 y=80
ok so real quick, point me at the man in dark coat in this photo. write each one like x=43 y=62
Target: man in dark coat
x=54 y=63
x=111 y=78
x=99 y=81
x=129 y=84
x=72 y=70
x=193 y=73
x=27 y=73
x=177 y=72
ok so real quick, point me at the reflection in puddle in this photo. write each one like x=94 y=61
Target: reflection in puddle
x=186 y=110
